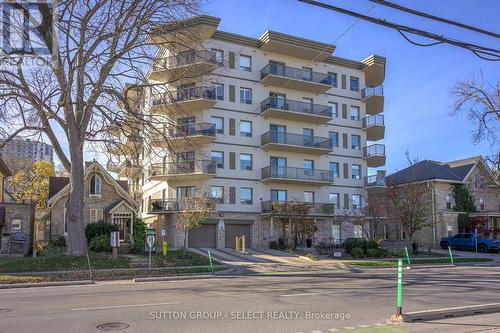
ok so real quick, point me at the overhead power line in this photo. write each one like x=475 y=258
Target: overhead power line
x=480 y=51
x=435 y=18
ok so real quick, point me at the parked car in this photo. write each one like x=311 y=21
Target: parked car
x=467 y=241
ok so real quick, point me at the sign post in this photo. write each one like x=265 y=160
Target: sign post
x=150 y=240
x=451 y=256
x=407 y=257
x=210 y=259
x=475 y=235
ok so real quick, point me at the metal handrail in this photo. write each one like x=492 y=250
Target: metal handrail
x=296 y=140
x=295 y=73
x=185 y=58
x=370 y=91
x=374 y=150
x=184 y=94
x=373 y=120
x=183 y=167
x=274 y=102
x=274 y=171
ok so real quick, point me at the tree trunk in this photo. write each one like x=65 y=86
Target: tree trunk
x=185 y=244
x=76 y=241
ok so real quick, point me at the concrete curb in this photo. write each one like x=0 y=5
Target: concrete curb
x=187 y=277
x=46 y=284
x=445 y=313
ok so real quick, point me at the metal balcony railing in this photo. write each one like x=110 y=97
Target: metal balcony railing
x=369 y=91
x=373 y=120
x=295 y=106
x=295 y=73
x=184 y=167
x=185 y=58
x=181 y=204
x=196 y=129
x=374 y=150
x=375 y=180
x=290 y=173
x=185 y=94
x=296 y=140
x=297 y=208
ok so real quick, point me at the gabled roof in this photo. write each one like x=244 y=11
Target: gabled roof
x=56 y=184
x=422 y=171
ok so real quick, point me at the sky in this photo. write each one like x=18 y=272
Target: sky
x=418 y=79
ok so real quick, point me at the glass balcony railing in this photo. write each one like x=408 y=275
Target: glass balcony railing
x=274 y=102
x=295 y=73
x=181 y=168
x=296 y=140
x=375 y=180
x=299 y=174
x=374 y=150
x=181 y=204
x=297 y=208
x=373 y=120
x=196 y=129
x=370 y=91
x=184 y=59
x=185 y=94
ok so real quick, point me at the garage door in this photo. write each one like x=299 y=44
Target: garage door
x=233 y=230
x=203 y=236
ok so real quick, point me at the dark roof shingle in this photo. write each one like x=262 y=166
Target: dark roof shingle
x=425 y=170
x=56 y=184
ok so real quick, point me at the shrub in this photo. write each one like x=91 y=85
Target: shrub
x=139 y=236
x=100 y=243
x=98 y=229
x=364 y=244
x=376 y=253
x=357 y=253
x=58 y=241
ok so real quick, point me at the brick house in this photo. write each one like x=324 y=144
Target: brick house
x=105 y=199
x=439 y=178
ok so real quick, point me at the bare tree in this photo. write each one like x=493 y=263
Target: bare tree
x=479 y=101
x=375 y=211
x=96 y=81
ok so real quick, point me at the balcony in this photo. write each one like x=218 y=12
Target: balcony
x=186 y=135
x=183 y=65
x=296 y=143
x=374 y=127
x=373 y=98
x=295 y=78
x=375 y=183
x=295 y=110
x=296 y=175
x=156 y=206
x=291 y=208
x=130 y=147
x=184 y=100
x=129 y=169
x=374 y=68
x=185 y=170
x=112 y=166
x=189 y=31
x=374 y=155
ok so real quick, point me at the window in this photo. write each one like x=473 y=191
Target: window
x=358 y=231
x=278 y=195
x=217 y=192
x=334 y=138
x=95 y=185
x=356 y=171
x=355 y=115
x=219 y=56
x=307 y=105
x=354 y=83
x=402 y=235
x=245 y=63
x=219 y=124
x=334 y=169
x=355 y=142
x=336 y=233
x=246 y=128
x=307 y=73
x=308 y=166
x=474 y=182
x=246 y=162
x=218 y=157
x=245 y=96
x=96 y=215
x=448 y=201
x=246 y=196
x=335 y=110
x=15 y=225
x=386 y=232
x=482 y=204
x=356 y=201
x=335 y=200
x=308 y=196
x=333 y=79
x=219 y=91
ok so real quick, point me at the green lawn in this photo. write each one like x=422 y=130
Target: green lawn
x=372 y=263
x=173 y=259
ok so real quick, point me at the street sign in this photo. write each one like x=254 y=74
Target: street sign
x=150 y=240
x=163 y=232
x=150 y=232
x=337 y=254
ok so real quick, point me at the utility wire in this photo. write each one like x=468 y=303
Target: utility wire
x=435 y=18
x=481 y=51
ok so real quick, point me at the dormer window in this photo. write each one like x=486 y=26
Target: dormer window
x=448 y=201
x=482 y=204
x=95 y=185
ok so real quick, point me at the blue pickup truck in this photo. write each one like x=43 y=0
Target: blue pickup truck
x=467 y=241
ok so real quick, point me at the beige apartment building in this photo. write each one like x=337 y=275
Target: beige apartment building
x=263 y=125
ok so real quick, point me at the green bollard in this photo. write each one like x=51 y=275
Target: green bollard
x=211 y=264
x=451 y=256
x=398 y=316
x=407 y=257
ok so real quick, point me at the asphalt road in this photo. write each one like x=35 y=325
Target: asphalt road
x=296 y=302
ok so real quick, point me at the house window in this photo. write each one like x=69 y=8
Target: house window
x=355 y=115
x=217 y=192
x=386 y=232
x=245 y=96
x=219 y=56
x=218 y=157
x=356 y=171
x=246 y=128
x=95 y=185
x=356 y=201
x=334 y=138
x=354 y=83
x=333 y=79
x=355 y=142
x=246 y=196
x=278 y=195
x=335 y=111
x=402 y=235
x=15 y=225
x=474 y=182
x=448 y=201
x=335 y=200
x=309 y=196
x=358 y=231
x=245 y=63
x=482 y=204
x=308 y=167
x=96 y=215
x=246 y=162
x=219 y=91
x=219 y=124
